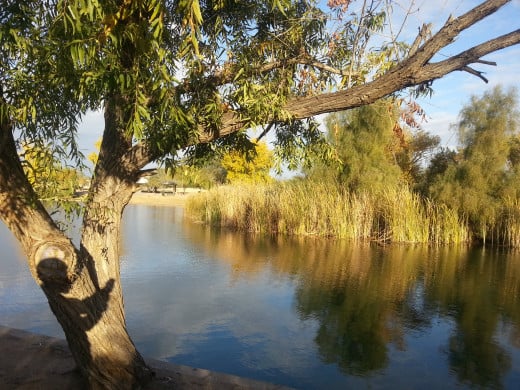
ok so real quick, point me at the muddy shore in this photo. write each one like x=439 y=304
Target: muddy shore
x=30 y=361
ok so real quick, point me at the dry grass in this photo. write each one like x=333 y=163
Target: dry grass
x=304 y=208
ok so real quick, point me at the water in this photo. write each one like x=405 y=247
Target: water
x=311 y=314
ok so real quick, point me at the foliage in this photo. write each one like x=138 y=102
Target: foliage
x=249 y=166
x=95 y=49
x=50 y=178
x=374 y=148
x=417 y=146
x=365 y=145
x=37 y=95
x=474 y=192
x=93 y=157
x=438 y=165
x=481 y=179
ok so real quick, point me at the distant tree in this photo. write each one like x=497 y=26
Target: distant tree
x=364 y=144
x=484 y=172
x=248 y=166
x=200 y=176
x=437 y=166
x=413 y=157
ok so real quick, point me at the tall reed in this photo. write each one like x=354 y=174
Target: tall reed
x=507 y=228
x=307 y=208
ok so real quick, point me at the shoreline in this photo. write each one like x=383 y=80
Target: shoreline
x=158 y=199
x=31 y=361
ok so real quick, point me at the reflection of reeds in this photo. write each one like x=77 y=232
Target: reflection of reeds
x=405 y=284
x=304 y=208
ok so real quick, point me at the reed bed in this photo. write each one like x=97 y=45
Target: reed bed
x=306 y=208
x=507 y=229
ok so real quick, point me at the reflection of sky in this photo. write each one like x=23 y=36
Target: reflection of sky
x=186 y=303
x=22 y=303
x=200 y=310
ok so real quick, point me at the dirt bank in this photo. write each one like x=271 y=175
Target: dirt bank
x=31 y=361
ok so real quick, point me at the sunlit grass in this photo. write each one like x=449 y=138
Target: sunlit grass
x=305 y=208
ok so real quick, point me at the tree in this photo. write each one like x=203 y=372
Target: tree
x=248 y=166
x=373 y=148
x=174 y=75
x=363 y=140
x=484 y=173
x=417 y=147
x=438 y=165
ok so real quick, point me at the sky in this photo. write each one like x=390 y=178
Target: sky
x=451 y=92
x=454 y=90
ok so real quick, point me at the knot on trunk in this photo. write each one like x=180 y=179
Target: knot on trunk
x=54 y=264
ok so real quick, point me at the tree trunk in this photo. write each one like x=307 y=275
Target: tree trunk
x=92 y=317
x=82 y=285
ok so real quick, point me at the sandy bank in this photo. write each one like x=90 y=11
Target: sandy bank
x=154 y=199
x=31 y=361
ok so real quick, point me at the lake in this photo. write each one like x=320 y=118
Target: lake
x=303 y=312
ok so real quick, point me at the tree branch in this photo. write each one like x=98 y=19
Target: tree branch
x=20 y=208
x=227 y=73
x=475 y=73
x=413 y=71
x=452 y=28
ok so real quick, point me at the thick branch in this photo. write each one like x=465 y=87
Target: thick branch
x=415 y=70
x=410 y=73
x=452 y=28
x=401 y=77
x=20 y=208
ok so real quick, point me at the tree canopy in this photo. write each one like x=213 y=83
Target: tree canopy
x=194 y=71
x=482 y=177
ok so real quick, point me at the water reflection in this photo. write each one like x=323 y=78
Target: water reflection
x=476 y=300
x=307 y=313
x=366 y=299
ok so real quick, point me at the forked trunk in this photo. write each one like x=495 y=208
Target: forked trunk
x=92 y=317
x=84 y=292
x=83 y=284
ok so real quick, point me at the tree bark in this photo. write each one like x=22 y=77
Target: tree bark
x=82 y=285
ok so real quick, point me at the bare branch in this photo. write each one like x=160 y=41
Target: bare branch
x=453 y=27
x=492 y=63
x=227 y=73
x=475 y=73
x=424 y=32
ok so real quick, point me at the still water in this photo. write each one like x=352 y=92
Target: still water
x=311 y=314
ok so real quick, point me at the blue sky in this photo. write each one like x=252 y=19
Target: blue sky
x=453 y=91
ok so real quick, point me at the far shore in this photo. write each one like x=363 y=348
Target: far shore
x=160 y=199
